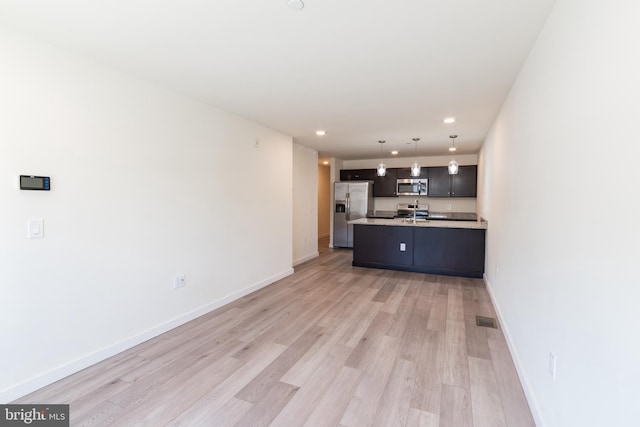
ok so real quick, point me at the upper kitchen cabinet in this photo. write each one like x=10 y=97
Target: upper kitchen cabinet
x=439 y=184
x=385 y=186
x=358 y=175
x=463 y=184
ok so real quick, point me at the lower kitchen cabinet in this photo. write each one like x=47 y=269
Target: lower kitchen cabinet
x=458 y=250
x=435 y=250
x=381 y=245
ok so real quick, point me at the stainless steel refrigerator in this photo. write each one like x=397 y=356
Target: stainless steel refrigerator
x=353 y=200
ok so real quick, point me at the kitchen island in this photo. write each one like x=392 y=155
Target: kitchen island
x=454 y=248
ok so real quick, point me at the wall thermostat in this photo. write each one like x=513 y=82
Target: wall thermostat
x=31 y=182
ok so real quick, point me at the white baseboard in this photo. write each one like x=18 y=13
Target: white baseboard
x=533 y=403
x=306 y=258
x=39 y=381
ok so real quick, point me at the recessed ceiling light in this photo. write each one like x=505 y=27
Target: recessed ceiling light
x=394 y=152
x=449 y=120
x=295 y=4
x=325 y=162
x=321 y=132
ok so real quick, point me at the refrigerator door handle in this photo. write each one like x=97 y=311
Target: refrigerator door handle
x=348 y=207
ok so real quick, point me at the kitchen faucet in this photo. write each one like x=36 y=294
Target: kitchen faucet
x=415 y=203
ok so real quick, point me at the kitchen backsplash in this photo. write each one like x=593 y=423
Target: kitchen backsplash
x=436 y=204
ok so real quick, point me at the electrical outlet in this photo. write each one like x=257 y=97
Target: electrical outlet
x=179 y=281
x=552 y=365
x=496 y=271
x=403 y=247
x=449 y=207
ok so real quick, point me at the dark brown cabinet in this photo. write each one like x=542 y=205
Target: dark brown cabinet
x=450 y=250
x=357 y=174
x=385 y=186
x=435 y=250
x=441 y=184
x=379 y=246
x=463 y=184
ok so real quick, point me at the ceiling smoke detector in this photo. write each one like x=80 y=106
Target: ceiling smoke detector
x=295 y=4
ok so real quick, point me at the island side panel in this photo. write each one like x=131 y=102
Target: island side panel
x=456 y=251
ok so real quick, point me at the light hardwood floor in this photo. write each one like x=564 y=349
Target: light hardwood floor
x=331 y=345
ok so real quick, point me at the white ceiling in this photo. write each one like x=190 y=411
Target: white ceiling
x=363 y=70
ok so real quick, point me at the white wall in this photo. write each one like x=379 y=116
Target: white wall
x=145 y=184
x=436 y=204
x=559 y=188
x=305 y=204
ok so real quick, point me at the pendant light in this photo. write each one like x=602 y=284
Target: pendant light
x=382 y=168
x=453 y=165
x=415 y=166
x=295 y=4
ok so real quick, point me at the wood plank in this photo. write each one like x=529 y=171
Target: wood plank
x=268 y=405
x=401 y=317
x=429 y=379
x=102 y=414
x=395 y=402
x=367 y=397
x=312 y=390
x=477 y=345
x=169 y=400
x=438 y=313
x=393 y=302
x=415 y=330
x=231 y=413
x=455 y=407
x=418 y=418
x=485 y=398
x=271 y=375
x=514 y=403
x=385 y=291
x=209 y=405
x=333 y=404
x=364 y=352
x=455 y=307
x=456 y=365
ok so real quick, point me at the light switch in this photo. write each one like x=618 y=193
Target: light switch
x=403 y=247
x=35 y=229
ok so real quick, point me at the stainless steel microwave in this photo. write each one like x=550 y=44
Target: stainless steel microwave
x=412 y=187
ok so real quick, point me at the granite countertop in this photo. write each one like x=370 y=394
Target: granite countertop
x=422 y=223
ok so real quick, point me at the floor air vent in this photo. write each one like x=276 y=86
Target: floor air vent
x=487 y=322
